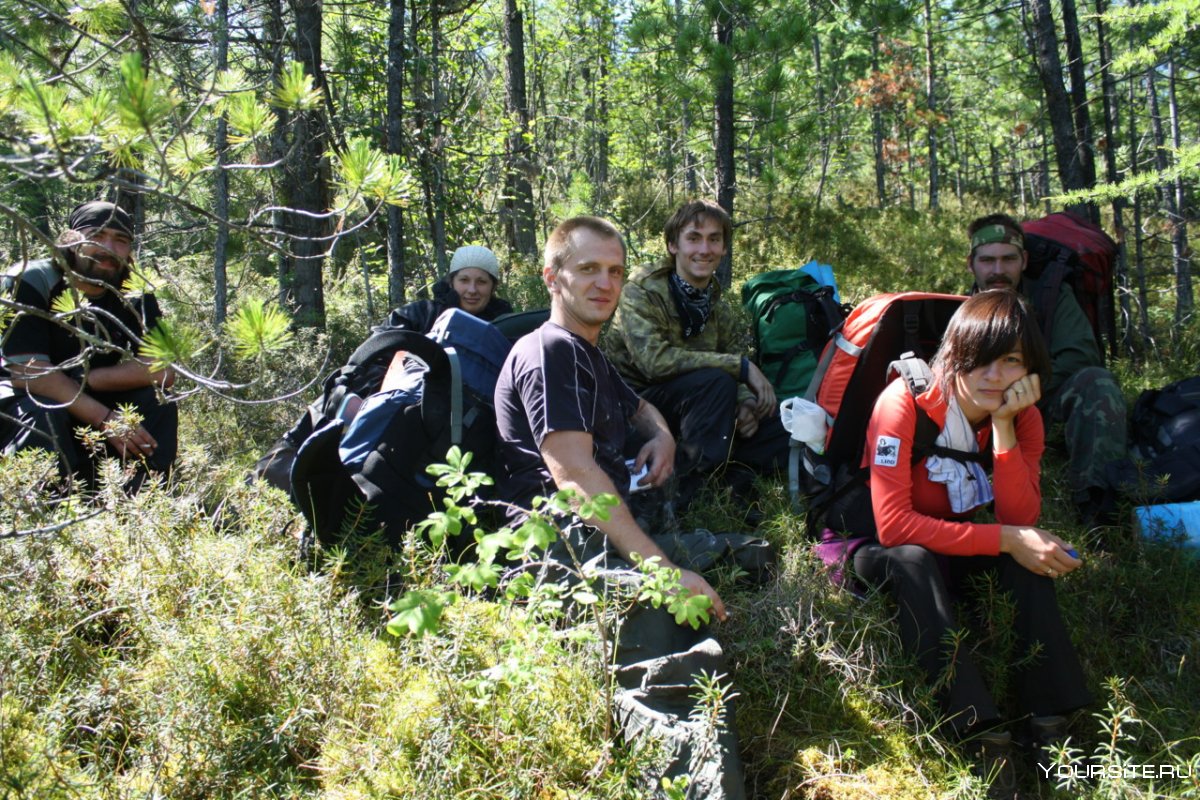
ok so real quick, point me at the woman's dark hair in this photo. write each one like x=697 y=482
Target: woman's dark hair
x=987 y=326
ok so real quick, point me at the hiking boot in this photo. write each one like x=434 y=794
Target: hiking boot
x=992 y=752
x=1046 y=735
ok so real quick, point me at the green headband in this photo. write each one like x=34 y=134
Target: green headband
x=991 y=234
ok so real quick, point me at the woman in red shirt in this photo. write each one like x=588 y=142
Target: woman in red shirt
x=988 y=373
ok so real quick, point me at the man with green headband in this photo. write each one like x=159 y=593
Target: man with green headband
x=61 y=371
x=1081 y=393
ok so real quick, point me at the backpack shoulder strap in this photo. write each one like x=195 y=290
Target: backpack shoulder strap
x=42 y=275
x=1048 y=292
x=919 y=378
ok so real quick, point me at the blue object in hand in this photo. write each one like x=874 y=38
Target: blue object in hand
x=1072 y=553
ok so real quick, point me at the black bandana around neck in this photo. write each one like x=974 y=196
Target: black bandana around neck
x=695 y=305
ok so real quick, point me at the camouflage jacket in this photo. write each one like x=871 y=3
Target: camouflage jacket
x=1073 y=345
x=646 y=342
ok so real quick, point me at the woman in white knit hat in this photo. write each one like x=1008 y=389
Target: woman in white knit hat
x=470 y=285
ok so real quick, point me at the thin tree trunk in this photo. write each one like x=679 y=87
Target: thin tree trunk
x=690 y=180
x=723 y=111
x=822 y=123
x=912 y=169
x=1139 y=253
x=1058 y=107
x=435 y=151
x=994 y=159
x=276 y=33
x=1184 y=299
x=1112 y=176
x=519 y=153
x=396 y=64
x=308 y=177
x=1079 y=101
x=221 y=179
x=931 y=104
x=877 y=129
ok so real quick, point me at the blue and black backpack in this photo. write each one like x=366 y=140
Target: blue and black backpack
x=367 y=475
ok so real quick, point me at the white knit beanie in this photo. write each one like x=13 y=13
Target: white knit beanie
x=477 y=256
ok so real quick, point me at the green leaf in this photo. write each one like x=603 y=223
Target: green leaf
x=475 y=576
x=168 y=343
x=101 y=17
x=689 y=608
x=364 y=173
x=142 y=103
x=189 y=154
x=295 y=91
x=535 y=535
x=585 y=597
x=418 y=612
x=248 y=118
x=258 y=328
x=65 y=303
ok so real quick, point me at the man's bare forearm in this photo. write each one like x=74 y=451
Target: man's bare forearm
x=42 y=379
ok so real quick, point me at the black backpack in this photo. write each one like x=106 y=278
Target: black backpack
x=390 y=490
x=1164 y=463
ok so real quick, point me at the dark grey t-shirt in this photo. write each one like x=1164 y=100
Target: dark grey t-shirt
x=553 y=381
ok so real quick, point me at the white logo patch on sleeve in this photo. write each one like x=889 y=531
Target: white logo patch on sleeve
x=887 y=451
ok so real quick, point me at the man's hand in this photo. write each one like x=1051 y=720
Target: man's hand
x=659 y=455
x=764 y=392
x=747 y=418
x=696 y=584
x=131 y=442
x=1038 y=551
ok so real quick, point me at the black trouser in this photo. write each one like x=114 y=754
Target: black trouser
x=701 y=408
x=1051 y=683
x=657 y=661
x=35 y=423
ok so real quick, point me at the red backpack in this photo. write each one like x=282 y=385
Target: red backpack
x=885 y=335
x=1065 y=248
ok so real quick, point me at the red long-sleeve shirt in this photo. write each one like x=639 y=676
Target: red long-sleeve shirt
x=912 y=509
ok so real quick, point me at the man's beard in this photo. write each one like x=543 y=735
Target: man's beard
x=105 y=269
x=1000 y=282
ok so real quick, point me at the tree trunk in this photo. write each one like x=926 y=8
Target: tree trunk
x=221 y=179
x=277 y=34
x=1112 y=176
x=723 y=111
x=931 y=104
x=1184 y=299
x=596 y=113
x=822 y=122
x=396 y=64
x=518 y=151
x=307 y=178
x=1058 y=107
x=1138 y=261
x=1079 y=101
x=128 y=192
x=877 y=129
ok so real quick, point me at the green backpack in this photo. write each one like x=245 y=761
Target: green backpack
x=792 y=317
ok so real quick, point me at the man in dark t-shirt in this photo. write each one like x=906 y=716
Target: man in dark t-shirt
x=64 y=370
x=562 y=411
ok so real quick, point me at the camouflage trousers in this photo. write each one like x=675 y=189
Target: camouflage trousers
x=1091 y=408
x=657 y=661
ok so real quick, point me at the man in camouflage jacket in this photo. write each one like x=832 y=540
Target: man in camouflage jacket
x=678 y=344
x=1081 y=394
